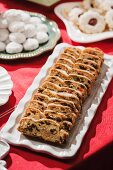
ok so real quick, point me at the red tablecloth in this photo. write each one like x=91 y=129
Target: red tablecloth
x=96 y=151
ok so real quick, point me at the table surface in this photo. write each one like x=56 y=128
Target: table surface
x=95 y=151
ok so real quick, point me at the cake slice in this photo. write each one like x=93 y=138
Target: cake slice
x=68 y=56
x=60 y=73
x=94 y=51
x=88 y=68
x=63 y=67
x=46 y=129
x=55 y=79
x=37 y=104
x=32 y=112
x=92 y=58
x=40 y=97
x=65 y=61
x=75 y=85
x=81 y=79
x=90 y=63
x=73 y=51
x=84 y=73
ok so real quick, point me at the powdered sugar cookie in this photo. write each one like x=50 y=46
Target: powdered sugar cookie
x=31 y=44
x=17 y=37
x=29 y=30
x=42 y=28
x=107 y=5
x=109 y=19
x=12 y=15
x=16 y=26
x=87 y=4
x=2 y=46
x=4 y=33
x=91 y=22
x=25 y=17
x=74 y=14
x=42 y=37
x=16 y=15
x=14 y=47
x=35 y=21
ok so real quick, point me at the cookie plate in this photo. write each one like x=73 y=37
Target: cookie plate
x=73 y=31
x=54 y=36
x=14 y=137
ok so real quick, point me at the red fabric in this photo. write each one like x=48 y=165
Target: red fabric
x=96 y=143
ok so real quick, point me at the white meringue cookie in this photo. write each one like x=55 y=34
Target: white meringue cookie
x=42 y=37
x=31 y=44
x=29 y=30
x=42 y=28
x=17 y=37
x=14 y=47
x=25 y=17
x=35 y=21
x=16 y=26
x=12 y=15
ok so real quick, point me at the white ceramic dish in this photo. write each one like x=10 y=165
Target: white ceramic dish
x=73 y=31
x=6 y=86
x=14 y=137
x=2 y=165
x=54 y=36
x=4 y=148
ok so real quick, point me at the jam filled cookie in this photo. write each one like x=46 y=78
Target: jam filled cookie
x=107 y=5
x=91 y=22
x=87 y=4
x=109 y=19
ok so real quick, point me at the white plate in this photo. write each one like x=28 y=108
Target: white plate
x=14 y=137
x=2 y=165
x=73 y=31
x=54 y=36
x=6 y=86
x=4 y=148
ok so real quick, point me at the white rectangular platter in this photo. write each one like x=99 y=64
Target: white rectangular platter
x=14 y=137
x=73 y=31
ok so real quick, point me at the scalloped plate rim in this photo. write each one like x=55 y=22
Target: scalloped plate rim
x=10 y=87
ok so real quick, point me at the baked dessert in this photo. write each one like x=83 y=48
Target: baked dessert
x=56 y=104
x=20 y=31
x=92 y=22
x=92 y=16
